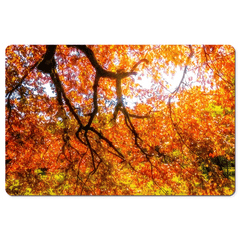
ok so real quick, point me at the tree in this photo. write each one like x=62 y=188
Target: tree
x=102 y=133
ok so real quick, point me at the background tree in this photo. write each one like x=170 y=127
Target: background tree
x=90 y=138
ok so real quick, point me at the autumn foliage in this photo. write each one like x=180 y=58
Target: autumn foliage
x=121 y=120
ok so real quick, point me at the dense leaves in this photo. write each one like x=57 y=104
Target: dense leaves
x=120 y=120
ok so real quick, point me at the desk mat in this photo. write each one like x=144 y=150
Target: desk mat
x=120 y=120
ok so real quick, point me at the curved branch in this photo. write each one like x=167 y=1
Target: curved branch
x=135 y=65
x=102 y=72
x=185 y=70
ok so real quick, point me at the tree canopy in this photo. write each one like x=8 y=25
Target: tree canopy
x=120 y=120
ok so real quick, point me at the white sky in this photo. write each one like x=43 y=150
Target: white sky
x=49 y=91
